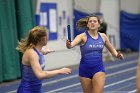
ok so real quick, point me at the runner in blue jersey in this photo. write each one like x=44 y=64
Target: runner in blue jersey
x=33 y=61
x=91 y=68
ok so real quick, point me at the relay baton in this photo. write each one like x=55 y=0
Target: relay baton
x=69 y=32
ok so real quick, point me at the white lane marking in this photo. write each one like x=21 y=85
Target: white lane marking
x=122 y=64
x=62 y=79
x=133 y=91
x=112 y=84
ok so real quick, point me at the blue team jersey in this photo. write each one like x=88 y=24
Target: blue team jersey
x=30 y=83
x=91 y=51
x=91 y=57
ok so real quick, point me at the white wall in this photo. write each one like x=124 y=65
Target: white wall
x=110 y=9
x=62 y=58
x=132 y=6
x=87 y=6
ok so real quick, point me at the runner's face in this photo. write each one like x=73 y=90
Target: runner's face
x=93 y=23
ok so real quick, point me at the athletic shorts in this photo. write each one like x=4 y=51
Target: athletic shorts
x=88 y=70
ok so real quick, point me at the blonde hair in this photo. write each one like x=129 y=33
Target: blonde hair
x=82 y=23
x=32 y=39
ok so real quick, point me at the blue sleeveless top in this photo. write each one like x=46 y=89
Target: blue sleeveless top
x=91 y=51
x=30 y=83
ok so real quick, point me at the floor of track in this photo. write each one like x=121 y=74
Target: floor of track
x=120 y=78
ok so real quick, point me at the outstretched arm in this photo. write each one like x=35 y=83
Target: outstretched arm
x=46 y=51
x=76 y=41
x=39 y=73
x=112 y=50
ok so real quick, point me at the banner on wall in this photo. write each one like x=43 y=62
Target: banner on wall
x=54 y=17
x=48 y=17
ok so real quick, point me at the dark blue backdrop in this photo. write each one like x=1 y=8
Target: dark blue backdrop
x=129 y=30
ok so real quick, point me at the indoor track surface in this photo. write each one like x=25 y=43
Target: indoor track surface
x=120 y=78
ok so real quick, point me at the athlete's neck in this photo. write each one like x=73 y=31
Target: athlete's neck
x=93 y=33
x=38 y=47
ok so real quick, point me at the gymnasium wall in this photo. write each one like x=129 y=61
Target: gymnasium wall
x=132 y=6
x=110 y=9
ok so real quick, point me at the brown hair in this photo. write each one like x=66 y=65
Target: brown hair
x=32 y=39
x=82 y=23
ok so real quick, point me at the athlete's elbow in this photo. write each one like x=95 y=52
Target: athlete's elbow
x=40 y=76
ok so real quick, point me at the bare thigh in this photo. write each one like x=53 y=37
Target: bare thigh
x=98 y=82
x=86 y=84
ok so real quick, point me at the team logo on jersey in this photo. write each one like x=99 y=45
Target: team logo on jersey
x=98 y=45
